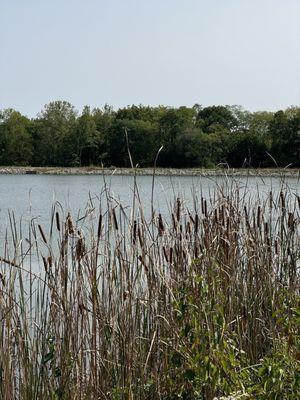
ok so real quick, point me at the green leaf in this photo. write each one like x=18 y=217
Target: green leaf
x=47 y=357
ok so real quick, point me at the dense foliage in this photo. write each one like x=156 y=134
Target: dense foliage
x=191 y=136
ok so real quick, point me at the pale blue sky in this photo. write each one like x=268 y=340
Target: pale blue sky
x=169 y=52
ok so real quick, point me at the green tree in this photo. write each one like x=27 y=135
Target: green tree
x=85 y=140
x=141 y=113
x=15 y=140
x=247 y=150
x=104 y=120
x=259 y=123
x=173 y=124
x=54 y=127
x=141 y=142
x=195 y=148
x=191 y=136
x=285 y=133
x=216 y=118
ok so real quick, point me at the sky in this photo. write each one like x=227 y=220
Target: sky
x=151 y=52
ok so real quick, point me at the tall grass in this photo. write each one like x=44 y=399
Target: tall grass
x=196 y=304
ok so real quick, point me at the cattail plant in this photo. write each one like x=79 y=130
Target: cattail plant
x=183 y=305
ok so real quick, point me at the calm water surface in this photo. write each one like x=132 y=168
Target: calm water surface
x=33 y=195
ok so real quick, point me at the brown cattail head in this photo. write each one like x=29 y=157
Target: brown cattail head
x=171 y=255
x=115 y=219
x=57 y=221
x=291 y=222
x=282 y=200
x=165 y=254
x=70 y=225
x=276 y=247
x=2 y=279
x=266 y=229
x=188 y=227
x=271 y=199
x=216 y=218
x=45 y=263
x=80 y=248
x=134 y=233
x=246 y=217
x=191 y=218
x=42 y=234
x=258 y=220
x=205 y=208
x=161 y=227
x=174 y=222
x=49 y=259
x=140 y=237
x=196 y=223
x=99 y=230
x=202 y=205
x=178 y=209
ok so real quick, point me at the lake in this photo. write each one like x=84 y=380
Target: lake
x=33 y=195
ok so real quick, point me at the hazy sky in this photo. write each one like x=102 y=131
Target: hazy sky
x=171 y=52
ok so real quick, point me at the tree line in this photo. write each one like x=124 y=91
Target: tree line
x=191 y=136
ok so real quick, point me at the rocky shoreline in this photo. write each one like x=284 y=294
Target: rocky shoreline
x=276 y=172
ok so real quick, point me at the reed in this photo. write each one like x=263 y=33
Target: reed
x=195 y=304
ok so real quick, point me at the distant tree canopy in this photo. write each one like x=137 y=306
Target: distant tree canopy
x=191 y=136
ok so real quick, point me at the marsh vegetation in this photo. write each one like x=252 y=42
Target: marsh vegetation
x=195 y=303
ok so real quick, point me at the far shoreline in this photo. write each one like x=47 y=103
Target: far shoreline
x=244 y=172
